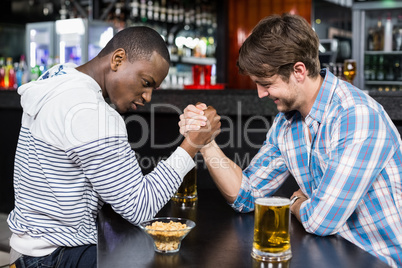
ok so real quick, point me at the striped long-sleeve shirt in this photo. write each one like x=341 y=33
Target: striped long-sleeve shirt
x=351 y=170
x=73 y=156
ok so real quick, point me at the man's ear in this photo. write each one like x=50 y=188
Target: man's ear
x=300 y=71
x=118 y=56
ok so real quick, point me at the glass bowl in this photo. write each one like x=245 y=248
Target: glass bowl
x=167 y=232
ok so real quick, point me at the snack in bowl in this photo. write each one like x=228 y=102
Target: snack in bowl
x=167 y=233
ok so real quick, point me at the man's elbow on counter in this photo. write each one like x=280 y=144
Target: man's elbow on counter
x=313 y=227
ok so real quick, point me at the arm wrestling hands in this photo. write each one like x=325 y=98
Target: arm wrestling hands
x=227 y=177
x=225 y=173
x=208 y=126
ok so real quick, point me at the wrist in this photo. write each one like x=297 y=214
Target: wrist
x=207 y=147
x=189 y=148
x=295 y=204
x=294 y=199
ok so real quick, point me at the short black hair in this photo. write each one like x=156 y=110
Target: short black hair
x=139 y=42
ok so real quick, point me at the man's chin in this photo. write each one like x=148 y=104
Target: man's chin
x=118 y=109
x=283 y=109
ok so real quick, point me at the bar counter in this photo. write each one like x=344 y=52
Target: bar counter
x=221 y=238
x=227 y=102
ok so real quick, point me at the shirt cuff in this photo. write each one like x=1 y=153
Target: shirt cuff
x=181 y=162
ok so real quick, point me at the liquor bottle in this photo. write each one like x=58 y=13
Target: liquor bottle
x=162 y=15
x=367 y=67
x=12 y=78
x=370 y=39
x=380 y=69
x=185 y=37
x=119 y=17
x=156 y=11
x=172 y=47
x=332 y=68
x=35 y=72
x=2 y=72
x=21 y=73
x=181 y=13
x=388 y=34
x=339 y=67
x=397 y=35
x=378 y=37
x=150 y=10
x=374 y=67
x=175 y=14
x=211 y=31
x=134 y=14
x=143 y=11
x=389 y=70
x=15 y=69
x=398 y=69
x=169 y=13
x=9 y=74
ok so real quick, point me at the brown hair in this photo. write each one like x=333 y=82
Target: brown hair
x=276 y=44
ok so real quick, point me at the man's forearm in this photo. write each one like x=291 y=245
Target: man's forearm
x=225 y=173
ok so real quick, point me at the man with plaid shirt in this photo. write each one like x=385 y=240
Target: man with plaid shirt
x=338 y=143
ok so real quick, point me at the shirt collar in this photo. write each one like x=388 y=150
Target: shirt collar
x=323 y=98
x=324 y=95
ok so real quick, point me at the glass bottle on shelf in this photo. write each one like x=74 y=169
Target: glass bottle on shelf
x=398 y=68
x=370 y=39
x=185 y=38
x=2 y=72
x=175 y=13
x=9 y=74
x=169 y=13
x=162 y=14
x=397 y=35
x=380 y=75
x=143 y=11
x=150 y=10
x=388 y=33
x=374 y=65
x=21 y=73
x=200 y=44
x=172 y=47
x=181 y=13
x=367 y=67
x=156 y=9
x=378 y=36
x=389 y=70
x=35 y=72
x=134 y=14
x=339 y=70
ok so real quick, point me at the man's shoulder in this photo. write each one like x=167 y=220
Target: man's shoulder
x=348 y=97
x=77 y=90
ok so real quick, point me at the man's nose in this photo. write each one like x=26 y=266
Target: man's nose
x=147 y=96
x=262 y=92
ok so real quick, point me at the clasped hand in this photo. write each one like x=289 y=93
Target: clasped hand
x=200 y=124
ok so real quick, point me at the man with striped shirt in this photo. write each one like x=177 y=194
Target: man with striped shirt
x=338 y=143
x=73 y=153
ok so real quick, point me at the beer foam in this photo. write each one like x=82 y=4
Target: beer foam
x=273 y=201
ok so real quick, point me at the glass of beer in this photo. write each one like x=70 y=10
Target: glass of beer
x=349 y=70
x=187 y=192
x=272 y=229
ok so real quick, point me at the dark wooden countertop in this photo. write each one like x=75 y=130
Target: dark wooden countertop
x=221 y=238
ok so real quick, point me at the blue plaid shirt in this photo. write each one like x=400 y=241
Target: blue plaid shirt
x=351 y=170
